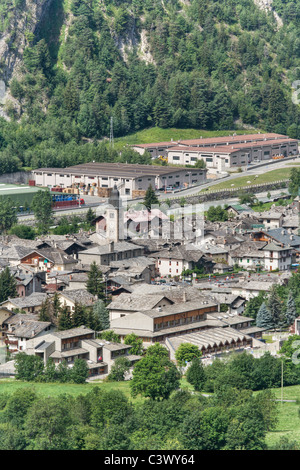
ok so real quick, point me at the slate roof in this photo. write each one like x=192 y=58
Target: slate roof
x=105 y=249
x=283 y=236
x=135 y=302
x=179 y=252
x=26 y=328
x=32 y=300
x=81 y=296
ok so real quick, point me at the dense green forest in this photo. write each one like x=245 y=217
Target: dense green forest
x=201 y=64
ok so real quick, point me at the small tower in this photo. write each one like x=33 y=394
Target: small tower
x=114 y=223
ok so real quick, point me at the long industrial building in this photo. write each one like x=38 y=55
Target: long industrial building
x=131 y=179
x=223 y=153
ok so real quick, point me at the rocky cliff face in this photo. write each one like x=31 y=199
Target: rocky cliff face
x=23 y=23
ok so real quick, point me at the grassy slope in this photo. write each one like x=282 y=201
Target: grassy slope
x=242 y=181
x=288 y=418
x=157 y=134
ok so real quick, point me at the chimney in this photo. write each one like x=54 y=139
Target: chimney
x=184 y=297
x=111 y=247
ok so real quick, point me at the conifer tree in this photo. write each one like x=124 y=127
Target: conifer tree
x=150 y=198
x=95 y=285
x=264 y=317
x=101 y=315
x=79 y=316
x=64 y=319
x=275 y=308
x=44 y=314
x=8 y=285
x=291 y=311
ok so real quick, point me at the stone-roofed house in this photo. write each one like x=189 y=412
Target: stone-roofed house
x=271 y=219
x=30 y=304
x=79 y=296
x=280 y=235
x=172 y=261
x=113 y=251
x=18 y=328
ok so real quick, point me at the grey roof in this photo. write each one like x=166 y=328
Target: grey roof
x=105 y=249
x=32 y=300
x=282 y=235
x=135 y=302
x=275 y=247
x=209 y=338
x=179 y=308
x=73 y=332
x=29 y=328
x=80 y=296
x=230 y=319
x=179 y=252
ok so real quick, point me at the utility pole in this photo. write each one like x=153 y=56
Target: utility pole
x=281 y=382
x=111 y=136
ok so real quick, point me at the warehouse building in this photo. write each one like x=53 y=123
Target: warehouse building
x=131 y=179
x=21 y=195
x=223 y=153
x=231 y=156
x=161 y=148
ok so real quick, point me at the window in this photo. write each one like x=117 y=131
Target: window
x=176 y=158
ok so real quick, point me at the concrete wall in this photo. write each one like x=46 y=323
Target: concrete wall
x=19 y=177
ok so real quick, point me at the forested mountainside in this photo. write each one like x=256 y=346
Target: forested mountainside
x=71 y=65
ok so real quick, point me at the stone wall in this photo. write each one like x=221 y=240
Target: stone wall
x=19 y=177
x=228 y=193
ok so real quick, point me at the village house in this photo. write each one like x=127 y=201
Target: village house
x=271 y=219
x=30 y=304
x=126 y=304
x=77 y=296
x=19 y=328
x=80 y=343
x=173 y=261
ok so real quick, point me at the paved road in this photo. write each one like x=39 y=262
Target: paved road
x=250 y=171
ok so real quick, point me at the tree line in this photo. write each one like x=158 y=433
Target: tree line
x=218 y=64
